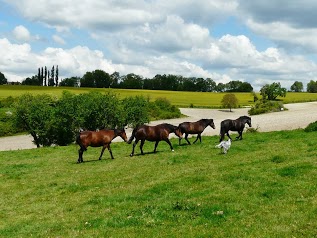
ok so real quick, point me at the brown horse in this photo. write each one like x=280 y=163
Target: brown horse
x=234 y=125
x=195 y=128
x=96 y=139
x=153 y=133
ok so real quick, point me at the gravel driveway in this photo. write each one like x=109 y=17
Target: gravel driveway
x=298 y=115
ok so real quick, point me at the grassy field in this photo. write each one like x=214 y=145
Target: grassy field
x=264 y=187
x=181 y=99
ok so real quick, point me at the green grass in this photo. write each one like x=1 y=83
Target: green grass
x=264 y=187
x=178 y=98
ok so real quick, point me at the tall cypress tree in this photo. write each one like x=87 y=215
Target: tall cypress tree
x=56 y=76
x=39 y=76
x=42 y=77
x=51 y=78
x=45 y=76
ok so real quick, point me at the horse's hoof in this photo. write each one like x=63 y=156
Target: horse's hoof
x=131 y=155
x=172 y=150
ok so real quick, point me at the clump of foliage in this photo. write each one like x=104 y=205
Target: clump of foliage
x=229 y=101
x=311 y=127
x=136 y=110
x=57 y=121
x=266 y=106
x=161 y=108
x=272 y=91
x=7 y=124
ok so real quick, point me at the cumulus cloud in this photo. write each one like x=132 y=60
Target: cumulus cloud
x=21 y=33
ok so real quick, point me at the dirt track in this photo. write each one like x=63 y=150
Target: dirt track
x=298 y=115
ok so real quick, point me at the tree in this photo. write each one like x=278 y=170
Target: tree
x=56 y=76
x=51 y=79
x=312 y=86
x=31 y=81
x=3 y=79
x=297 y=87
x=102 y=79
x=272 y=91
x=70 y=82
x=45 y=76
x=132 y=81
x=229 y=101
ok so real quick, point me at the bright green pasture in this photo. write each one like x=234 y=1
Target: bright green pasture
x=264 y=187
x=178 y=98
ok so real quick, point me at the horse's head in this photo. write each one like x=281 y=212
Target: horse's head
x=178 y=132
x=211 y=123
x=248 y=121
x=123 y=135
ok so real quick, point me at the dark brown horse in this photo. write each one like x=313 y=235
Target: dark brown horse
x=153 y=133
x=96 y=139
x=195 y=128
x=234 y=125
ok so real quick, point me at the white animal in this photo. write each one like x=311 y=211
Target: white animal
x=225 y=145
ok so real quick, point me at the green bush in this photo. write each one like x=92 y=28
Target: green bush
x=52 y=121
x=311 y=127
x=7 y=102
x=161 y=108
x=265 y=107
x=7 y=122
x=136 y=110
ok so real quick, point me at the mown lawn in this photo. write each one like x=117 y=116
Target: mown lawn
x=178 y=98
x=264 y=187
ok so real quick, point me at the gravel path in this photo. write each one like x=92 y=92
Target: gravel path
x=298 y=115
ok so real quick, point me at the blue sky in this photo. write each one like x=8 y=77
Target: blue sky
x=254 y=41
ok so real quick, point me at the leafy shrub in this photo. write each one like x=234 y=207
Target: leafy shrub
x=311 y=127
x=7 y=102
x=52 y=121
x=136 y=110
x=35 y=114
x=7 y=123
x=265 y=107
x=161 y=108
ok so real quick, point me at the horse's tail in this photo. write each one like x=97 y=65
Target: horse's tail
x=132 y=135
x=79 y=142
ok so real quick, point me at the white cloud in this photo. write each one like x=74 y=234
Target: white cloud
x=21 y=33
x=59 y=40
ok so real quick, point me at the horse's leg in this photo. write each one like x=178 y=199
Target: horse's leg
x=186 y=138
x=103 y=149
x=156 y=143
x=141 y=146
x=110 y=151
x=179 y=141
x=222 y=136
x=228 y=135
x=198 y=137
x=80 y=156
x=240 y=135
x=168 y=142
x=134 y=144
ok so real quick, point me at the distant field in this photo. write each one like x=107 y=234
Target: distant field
x=181 y=99
x=264 y=187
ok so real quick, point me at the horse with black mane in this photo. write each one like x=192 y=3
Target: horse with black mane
x=234 y=125
x=153 y=133
x=98 y=138
x=195 y=128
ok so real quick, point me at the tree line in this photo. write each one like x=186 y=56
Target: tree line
x=101 y=79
